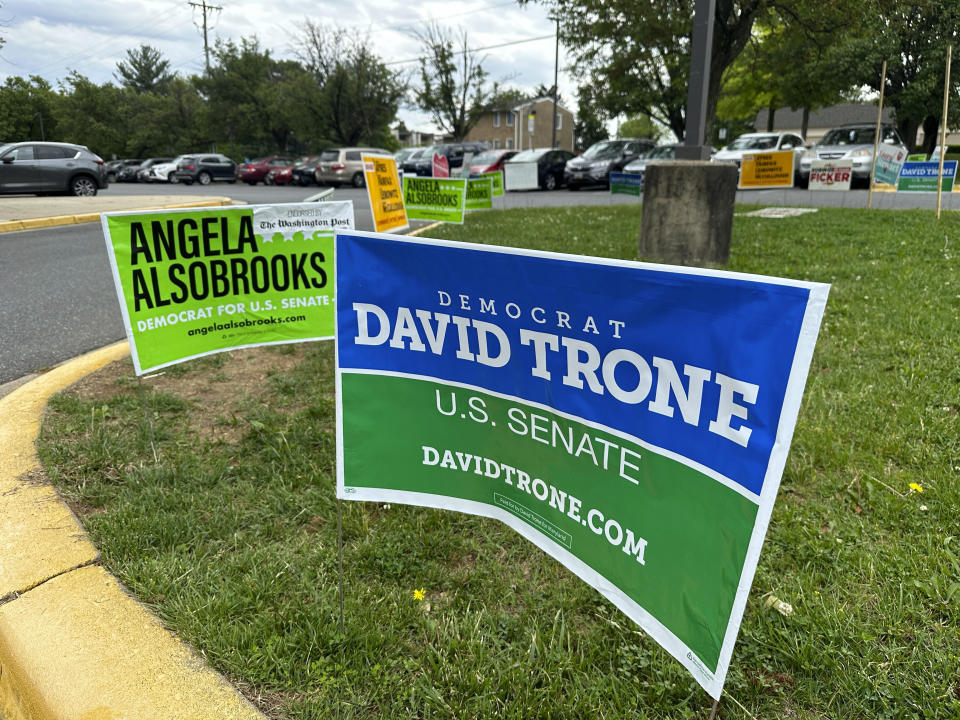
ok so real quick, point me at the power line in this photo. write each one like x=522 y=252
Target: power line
x=487 y=47
x=206 y=46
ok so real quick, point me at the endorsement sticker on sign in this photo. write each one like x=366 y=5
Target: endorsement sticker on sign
x=631 y=420
x=204 y=280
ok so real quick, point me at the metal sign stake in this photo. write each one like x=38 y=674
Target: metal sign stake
x=146 y=416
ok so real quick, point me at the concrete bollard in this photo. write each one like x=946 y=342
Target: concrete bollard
x=688 y=212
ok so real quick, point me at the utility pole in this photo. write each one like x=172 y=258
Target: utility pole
x=206 y=45
x=695 y=146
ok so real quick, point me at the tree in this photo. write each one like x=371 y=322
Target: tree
x=590 y=126
x=452 y=81
x=641 y=126
x=638 y=55
x=89 y=114
x=255 y=103
x=25 y=107
x=145 y=70
x=358 y=95
x=916 y=61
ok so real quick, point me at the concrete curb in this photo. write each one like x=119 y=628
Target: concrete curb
x=55 y=220
x=73 y=643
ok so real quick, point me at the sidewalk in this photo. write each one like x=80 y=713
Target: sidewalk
x=27 y=213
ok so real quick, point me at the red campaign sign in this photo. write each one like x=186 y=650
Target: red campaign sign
x=830 y=176
x=441 y=168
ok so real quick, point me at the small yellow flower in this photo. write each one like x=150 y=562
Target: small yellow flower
x=916 y=487
x=419 y=594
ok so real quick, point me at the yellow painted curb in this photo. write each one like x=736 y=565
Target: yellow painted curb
x=72 y=643
x=57 y=220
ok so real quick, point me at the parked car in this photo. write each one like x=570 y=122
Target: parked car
x=143 y=172
x=164 y=171
x=339 y=166
x=661 y=152
x=303 y=171
x=50 y=168
x=749 y=143
x=596 y=163
x=205 y=169
x=550 y=165
x=490 y=161
x=280 y=174
x=256 y=170
x=404 y=154
x=853 y=143
x=128 y=171
x=115 y=166
x=454 y=152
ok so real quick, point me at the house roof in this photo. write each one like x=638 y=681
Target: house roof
x=548 y=99
x=828 y=117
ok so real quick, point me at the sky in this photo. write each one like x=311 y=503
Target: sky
x=50 y=38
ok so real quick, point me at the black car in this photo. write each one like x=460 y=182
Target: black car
x=205 y=169
x=127 y=171
x=303 y=171
x=114 y=167
x=602 y=158
x=550 y=165
x=422 y=164
x=50 y=168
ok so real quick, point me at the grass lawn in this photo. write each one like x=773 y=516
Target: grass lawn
x=232 y=539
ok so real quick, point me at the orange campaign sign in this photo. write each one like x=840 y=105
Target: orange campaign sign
x=767 y=170
x=386 y=196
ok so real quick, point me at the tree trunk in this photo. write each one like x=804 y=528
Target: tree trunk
x=771 y=112
x=931 y=134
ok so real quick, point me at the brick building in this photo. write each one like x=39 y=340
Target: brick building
x=524 y=126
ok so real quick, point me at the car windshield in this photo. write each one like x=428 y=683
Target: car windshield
x=755 y=142
x=486 y=158
x=5 y=147
x=849 y=136
x=602 y=151
x=527 y=156
x=663 y=152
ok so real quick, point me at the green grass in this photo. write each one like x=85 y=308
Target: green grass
x=233 y=542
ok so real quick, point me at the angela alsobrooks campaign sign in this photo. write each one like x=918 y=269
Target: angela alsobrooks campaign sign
x=202 y=280
x=631 y=420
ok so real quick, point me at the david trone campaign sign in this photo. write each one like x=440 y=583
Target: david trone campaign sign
x=631 y=420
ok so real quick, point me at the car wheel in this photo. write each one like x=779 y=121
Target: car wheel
x=203 y=178
x=357 y=180
x=171 y=178
x=83 y=186
x=550 y=182
x=302 y=182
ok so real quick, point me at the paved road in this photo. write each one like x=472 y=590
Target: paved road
x=56 y=297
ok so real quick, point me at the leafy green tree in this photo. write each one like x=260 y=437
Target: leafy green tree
x=641 y=126
x=88 y=114
x=452 y=81
x=253 y=101
x=25 y=105
x=145 y=70
x=912 y=36
x=357 y=95
x=637 y=55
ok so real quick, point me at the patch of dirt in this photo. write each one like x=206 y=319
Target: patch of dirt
x=217 y=387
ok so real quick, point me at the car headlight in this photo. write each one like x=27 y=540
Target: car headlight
x=862 y=152
x=809 y=155
x=600 y=165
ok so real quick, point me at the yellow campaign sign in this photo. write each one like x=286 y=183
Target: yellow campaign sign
x=383 y=189
x=765 y=170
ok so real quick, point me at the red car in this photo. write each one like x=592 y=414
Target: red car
x=256 y=170
x=490 y=161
